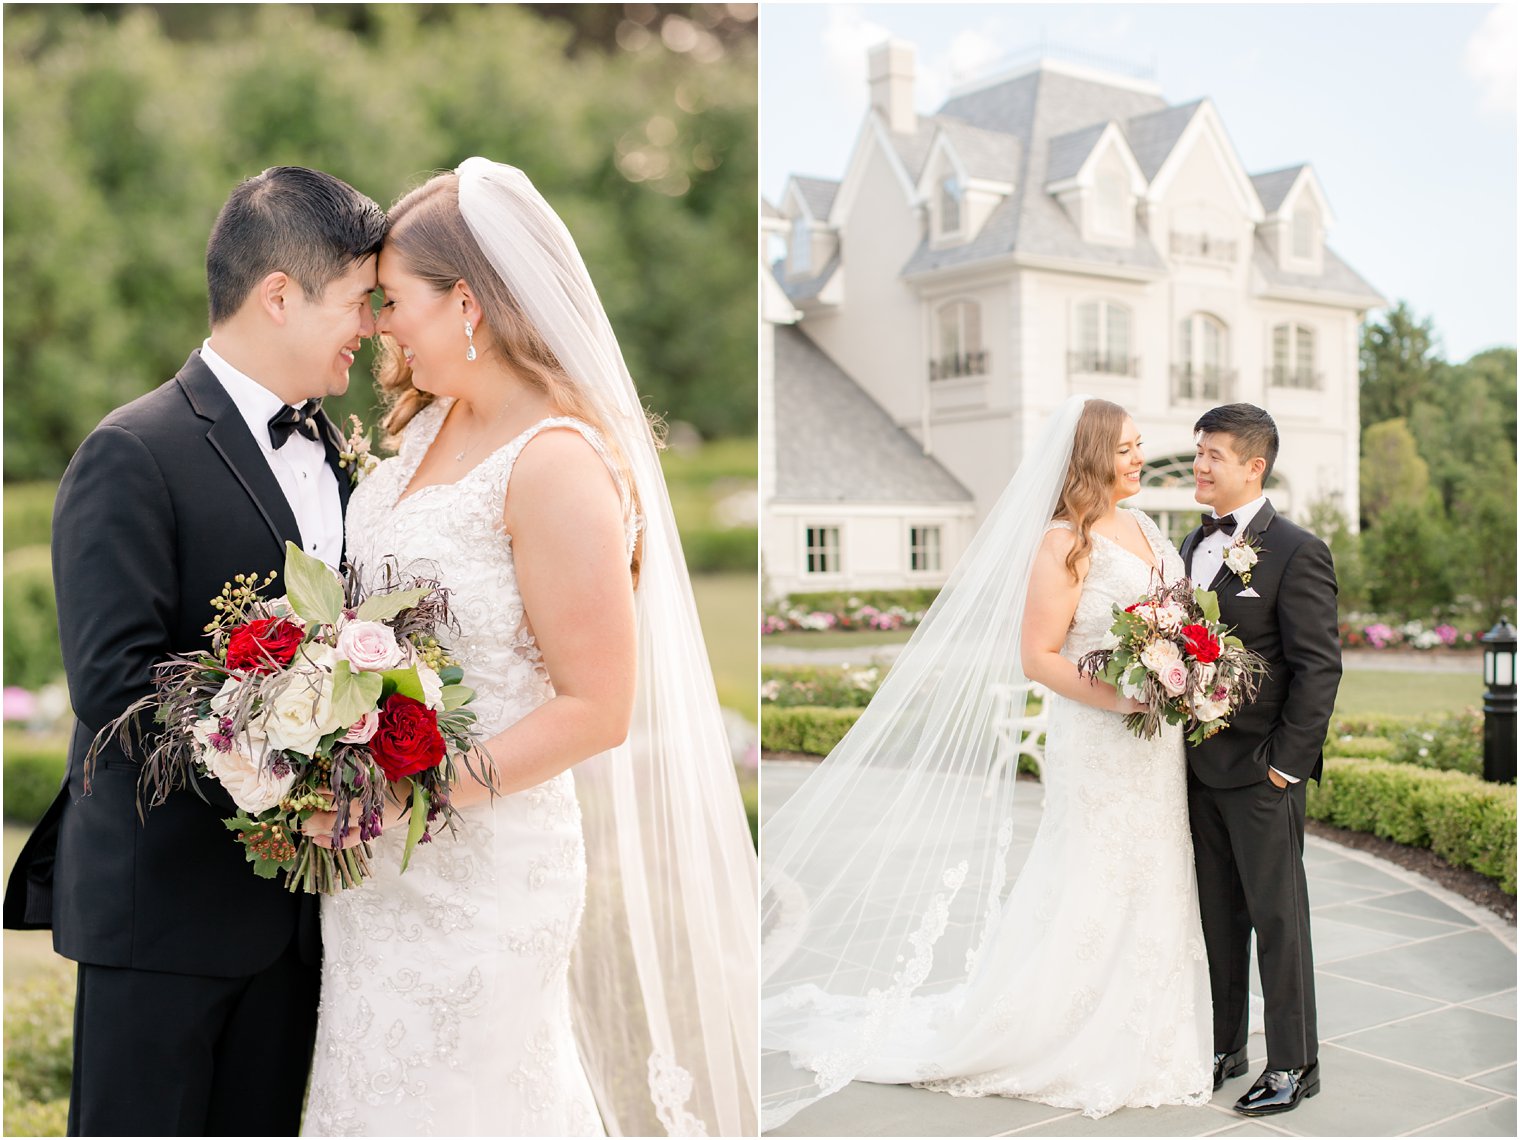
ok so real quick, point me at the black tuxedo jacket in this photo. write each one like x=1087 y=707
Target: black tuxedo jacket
x=164 y=502
x=1293 y=625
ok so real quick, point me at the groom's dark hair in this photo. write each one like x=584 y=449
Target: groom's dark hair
x=1254 y=432
x=293 y=220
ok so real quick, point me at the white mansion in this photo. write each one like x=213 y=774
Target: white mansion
x=1049 y=231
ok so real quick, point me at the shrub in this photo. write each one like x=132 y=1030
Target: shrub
x=39 y=1048
x=29 y=514
x=916 y=599
x=804 y=729
x=713 y=550
x=32 y=656
x=33 y=771
x=1453 y=742
x=1463 y=819
x=790 y=686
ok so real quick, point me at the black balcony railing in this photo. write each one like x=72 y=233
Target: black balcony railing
x=1204 y=246
x=1202 y=382
x=955 y=364
x=1281 y=376
x=1089 y=361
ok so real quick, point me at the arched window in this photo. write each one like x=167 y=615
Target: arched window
x=950 y=204
x=1166 y=494
x=958 y=347
x=1102 y=340
x=1201 y=366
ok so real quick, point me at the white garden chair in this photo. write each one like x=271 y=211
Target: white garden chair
x=1017 y=733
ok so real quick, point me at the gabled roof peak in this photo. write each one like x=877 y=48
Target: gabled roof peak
x=1010 y=73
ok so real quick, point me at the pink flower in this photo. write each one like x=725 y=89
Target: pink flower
x=364 y=730
x=1173 y=677
x=370 y=646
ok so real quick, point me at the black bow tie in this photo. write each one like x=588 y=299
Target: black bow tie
x=1225 y=523
x=288 y=419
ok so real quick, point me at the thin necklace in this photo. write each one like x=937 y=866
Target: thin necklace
x=480 y=437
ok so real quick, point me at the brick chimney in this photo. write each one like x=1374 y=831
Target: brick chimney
x=891 y=71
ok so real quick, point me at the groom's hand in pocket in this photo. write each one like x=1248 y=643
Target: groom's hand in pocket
x=1277 y=781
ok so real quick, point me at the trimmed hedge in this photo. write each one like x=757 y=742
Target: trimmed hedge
x=805 y=728
x=32 y=655
x=1463 y=819
x=33 y=771
x=1452 y=742
x=711 y=550
x=823 y=686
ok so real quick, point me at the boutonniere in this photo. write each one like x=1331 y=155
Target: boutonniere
x=356 y=458
x=1241 y=555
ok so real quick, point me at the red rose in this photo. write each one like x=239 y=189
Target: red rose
x=1201 y=644
x=264 y=645
x=408 y=739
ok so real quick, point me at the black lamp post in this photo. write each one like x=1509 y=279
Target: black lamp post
x=1499 y=703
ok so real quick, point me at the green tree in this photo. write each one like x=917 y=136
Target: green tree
x=1397 y=364
x=1393 y=472
x=1407 y=558
x=1326 y=517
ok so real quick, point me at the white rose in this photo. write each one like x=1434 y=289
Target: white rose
x=252 y=786
x=1206 y=710
x=1159 y=654
x=1205 y=676
x=1239 y=558
x=301 y=713
x=432 y=687
x=1170 y=617
x=369 y=646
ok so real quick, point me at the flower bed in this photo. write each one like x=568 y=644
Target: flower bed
x=878 y=610
x=1364 y=632
x=788 y=686
x=1453 y=742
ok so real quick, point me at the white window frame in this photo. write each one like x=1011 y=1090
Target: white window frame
x=800 y=253
x=1110 y=196
x=808 y=550
x=918 y=532
x=1305 y=226
x=971 y=348
x=953 y=191
x=1192 y=341
x=1105 y=310
x=1291 y=366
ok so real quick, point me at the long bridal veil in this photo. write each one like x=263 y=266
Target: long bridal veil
x=884 y=873
x=664 y=975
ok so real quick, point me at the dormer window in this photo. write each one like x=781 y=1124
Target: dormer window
x=802 y=247
x=1303 y=233
x=1113 y=190
x=950 y=204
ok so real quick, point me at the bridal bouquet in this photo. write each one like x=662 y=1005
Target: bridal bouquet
x=320 y=700
x=1172 y=653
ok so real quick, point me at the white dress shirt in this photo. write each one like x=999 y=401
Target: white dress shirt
x=1208 y=557
x=300 y=467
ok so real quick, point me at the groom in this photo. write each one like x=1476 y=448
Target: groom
x=197 y=984
x=1246 y=784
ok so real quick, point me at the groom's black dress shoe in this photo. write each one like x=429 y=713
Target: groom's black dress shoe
x=1227 y=1065
x=1279 y=1090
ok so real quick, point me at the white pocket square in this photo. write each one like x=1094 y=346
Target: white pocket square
x=1248 y=592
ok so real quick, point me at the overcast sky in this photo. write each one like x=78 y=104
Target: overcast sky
x=1406 y=112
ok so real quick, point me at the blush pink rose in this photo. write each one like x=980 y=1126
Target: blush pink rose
x=370 y=646
x=363 y=730
x=1173 y=678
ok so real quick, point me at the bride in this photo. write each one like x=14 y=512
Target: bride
x=579 y=956
x=891 y=953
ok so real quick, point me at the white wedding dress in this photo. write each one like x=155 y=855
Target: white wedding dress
x=445 y=1004
x=1093 y=990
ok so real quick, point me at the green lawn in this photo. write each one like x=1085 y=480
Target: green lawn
x=841 y=639
x=728 y=605
x=1408 y=694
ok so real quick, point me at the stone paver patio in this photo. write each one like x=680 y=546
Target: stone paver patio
x=1416 y=993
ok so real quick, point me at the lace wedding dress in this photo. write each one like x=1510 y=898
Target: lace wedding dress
x=445 y=1003
x=1092 y=992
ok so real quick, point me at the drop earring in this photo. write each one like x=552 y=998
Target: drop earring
x=469 y=331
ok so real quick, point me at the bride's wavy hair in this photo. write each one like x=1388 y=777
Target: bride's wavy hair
x=1088 y=491
x=430 y=234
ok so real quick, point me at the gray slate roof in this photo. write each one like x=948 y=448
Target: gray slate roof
x=1338 y=277
x=1069 y=151
x=985 y=154
x=818 y=193
x=799 y=289
x=1273 y=186
x=836 y=444
x=1152 y=136
x=1036 y=108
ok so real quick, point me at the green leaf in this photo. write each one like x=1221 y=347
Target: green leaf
x=456 y=695
x=418 y=822
x=379 y=607
x=313 y=587
x=451 y=675
x=354 y=694
x=1208 y=602
x=403 y=681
